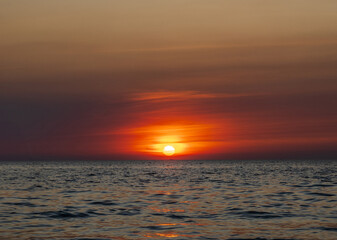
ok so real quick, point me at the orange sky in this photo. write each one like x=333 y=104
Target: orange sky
x=122 y=79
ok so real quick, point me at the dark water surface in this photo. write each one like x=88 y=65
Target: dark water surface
x=169 y=200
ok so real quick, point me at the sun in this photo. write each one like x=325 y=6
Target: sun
x=169 y=150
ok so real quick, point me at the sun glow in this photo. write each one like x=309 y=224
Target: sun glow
x=179 y=140
x=169 y=150
x=172 y=137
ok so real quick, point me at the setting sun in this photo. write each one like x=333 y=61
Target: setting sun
x=168 y=150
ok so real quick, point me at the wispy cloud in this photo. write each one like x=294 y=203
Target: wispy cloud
x=106 y=50
x=165 y=96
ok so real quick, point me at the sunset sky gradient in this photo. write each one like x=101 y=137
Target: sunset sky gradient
x=216 y=79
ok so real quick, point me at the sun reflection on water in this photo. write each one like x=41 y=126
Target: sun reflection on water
x=169 y=235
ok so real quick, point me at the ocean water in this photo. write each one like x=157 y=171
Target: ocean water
x=168 y=200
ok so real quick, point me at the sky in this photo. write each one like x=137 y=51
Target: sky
x=215 y=79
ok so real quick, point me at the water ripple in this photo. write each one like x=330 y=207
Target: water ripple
x=128 y=200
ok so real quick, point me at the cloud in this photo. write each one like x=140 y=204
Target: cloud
x=165 y=96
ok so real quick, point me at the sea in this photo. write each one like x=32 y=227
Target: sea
x=169 y=199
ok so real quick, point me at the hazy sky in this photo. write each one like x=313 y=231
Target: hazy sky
x=121 y=79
